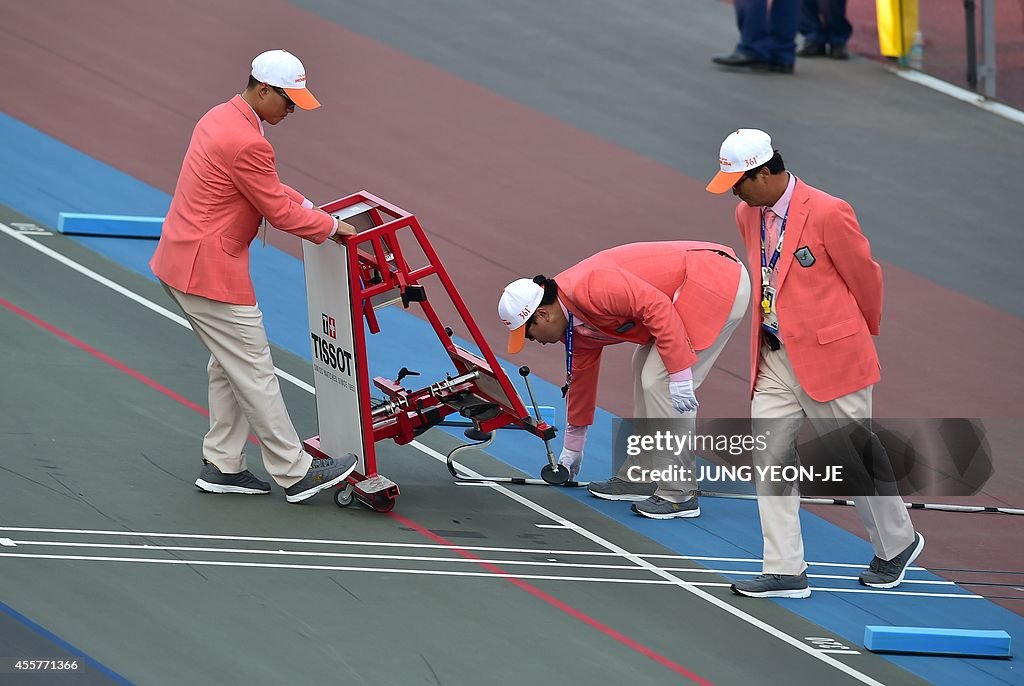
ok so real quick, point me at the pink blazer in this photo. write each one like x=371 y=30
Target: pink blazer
x=829 y=301
x=675 y=294
x=228 y=183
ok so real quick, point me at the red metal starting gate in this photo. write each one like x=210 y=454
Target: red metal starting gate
x=345 y=285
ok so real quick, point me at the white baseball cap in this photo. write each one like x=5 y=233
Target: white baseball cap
x=282 y=69
x=518 y=302
x=743 y=150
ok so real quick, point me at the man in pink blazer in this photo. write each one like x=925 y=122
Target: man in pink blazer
x=818 y=304
x=228 y=185
x=679 y=302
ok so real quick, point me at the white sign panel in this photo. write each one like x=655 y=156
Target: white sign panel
x=334 y=362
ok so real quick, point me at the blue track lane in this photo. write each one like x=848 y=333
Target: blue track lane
x=52 y=178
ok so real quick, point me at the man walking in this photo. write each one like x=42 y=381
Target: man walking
x=812 y=354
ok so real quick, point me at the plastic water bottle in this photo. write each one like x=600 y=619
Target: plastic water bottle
x=915 y=59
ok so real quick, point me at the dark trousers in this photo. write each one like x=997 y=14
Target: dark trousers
x=824 y=22
x=768 y=33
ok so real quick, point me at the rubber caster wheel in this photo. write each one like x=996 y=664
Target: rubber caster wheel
x=556 y=476
x=343 y=496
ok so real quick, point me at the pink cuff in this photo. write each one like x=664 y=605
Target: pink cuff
x=575 y=437
x=684 y=375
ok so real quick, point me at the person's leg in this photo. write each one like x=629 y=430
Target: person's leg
x=777 y=416
x=640 y=356
x=224 y=443
x=810 y=22
x=885 y=517
x=706 y=358
x=837 y=28
x=621 y=486
x=235 y=336
x=776 y=420
x=658 y=403
x=785 y=17
x=812 y=29
x=653 y=383
x=752 y=20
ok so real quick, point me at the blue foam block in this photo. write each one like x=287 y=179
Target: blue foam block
x=116 y=225
x=933 y=641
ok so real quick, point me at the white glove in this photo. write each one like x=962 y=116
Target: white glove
x=683 y=398
x=571 y=460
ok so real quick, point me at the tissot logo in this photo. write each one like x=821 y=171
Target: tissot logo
x=330 y=327
x=332 y=355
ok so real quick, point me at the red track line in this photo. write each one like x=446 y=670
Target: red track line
x=63 y=335
x=556 y=603
x=427 y=533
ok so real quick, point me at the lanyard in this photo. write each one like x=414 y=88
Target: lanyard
x=568 y=357
x=768 y=265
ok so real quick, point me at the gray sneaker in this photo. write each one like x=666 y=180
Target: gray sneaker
x=889 y=573
x=617 y=489
x=657 y=507
x=323 y=473
x=212 y=480
x=774 y=586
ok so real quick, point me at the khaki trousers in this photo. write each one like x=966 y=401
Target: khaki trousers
x=244 y=394
x=778 y=395
x=651 y=398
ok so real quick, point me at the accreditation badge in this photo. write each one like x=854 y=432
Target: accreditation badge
x=769 y=319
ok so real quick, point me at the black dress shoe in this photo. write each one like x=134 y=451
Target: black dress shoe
x=779 y=68
x=811 y=49
x=838 y=52
x=734 y=59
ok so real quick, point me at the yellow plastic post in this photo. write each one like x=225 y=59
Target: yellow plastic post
x=897 y=24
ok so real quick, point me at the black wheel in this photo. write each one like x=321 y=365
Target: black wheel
x=343 y=496
x=556 y=475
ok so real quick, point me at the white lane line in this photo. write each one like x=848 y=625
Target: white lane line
x=717 y=602
x=331 y=568
x=7 y=542
x=970 y=97
x=309 y=553
x=426 y=572
x=392 y=544
x=421 y=546
x=314 y=541
x=420 y=558
x=685 y=585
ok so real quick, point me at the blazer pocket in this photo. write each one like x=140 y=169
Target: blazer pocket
x=231 y=246
x=843 y=329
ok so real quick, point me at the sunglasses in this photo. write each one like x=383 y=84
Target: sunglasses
x=530 y=322
x=287 y=101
